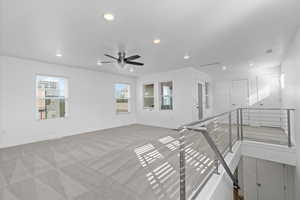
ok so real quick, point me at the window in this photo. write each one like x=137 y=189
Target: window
x=51 y=97
x=166 y=92
x=149 y=96
x=122 y=94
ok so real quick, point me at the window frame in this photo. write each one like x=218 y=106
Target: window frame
x=67 y=96
x=143 y=92
x=161 y=95
x=129 y=99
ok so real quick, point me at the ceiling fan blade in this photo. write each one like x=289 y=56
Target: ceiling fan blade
x=106 y=62
x=132 y=57
x=111 y=57
x=134 y=63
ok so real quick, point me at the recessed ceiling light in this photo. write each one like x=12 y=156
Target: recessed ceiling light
x=186 y=57
x=251 y=64
x=131 y=70
x=156 y=41
x=58 y=54
x=109 y=17
x=224 y=68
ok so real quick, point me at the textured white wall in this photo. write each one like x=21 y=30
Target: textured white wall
x=91 y=102
x=184 y=98
x=291 y=95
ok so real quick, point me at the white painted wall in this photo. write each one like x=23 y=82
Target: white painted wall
x=184 y=98
x=1 y=98
x=91 y=103
x=291 y=94
x=271 y=152
x=262 y=88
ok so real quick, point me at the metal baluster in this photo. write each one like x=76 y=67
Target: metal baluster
x=238 y=123
x=230 y=133
x=289 y=127
x=241 y=124
x=216 y=162
x=182 y=164
x=219 y=155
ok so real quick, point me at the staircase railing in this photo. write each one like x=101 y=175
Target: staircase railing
x=222 y=131
x=275 y=125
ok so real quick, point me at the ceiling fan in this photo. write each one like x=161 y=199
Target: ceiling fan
x=123 y=60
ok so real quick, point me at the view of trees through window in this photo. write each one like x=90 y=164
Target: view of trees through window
x=51 y=97
x=122 y=93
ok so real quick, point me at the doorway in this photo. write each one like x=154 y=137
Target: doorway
x=268 y=96
x=200 y=105
x=265 y=180
x=239 y=93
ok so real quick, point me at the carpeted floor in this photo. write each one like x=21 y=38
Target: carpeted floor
x=132 y=162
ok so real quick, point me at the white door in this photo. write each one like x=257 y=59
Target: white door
x=270 y=180
x=240 y=96
x=239 y=93
x=249 y=178
x=263 y=180
x=200 y=105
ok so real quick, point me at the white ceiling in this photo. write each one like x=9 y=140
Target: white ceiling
x=233 y=32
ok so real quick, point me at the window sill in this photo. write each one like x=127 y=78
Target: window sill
x=123 y=113
x=171 y=110
x=149 y=109
x=52 y=119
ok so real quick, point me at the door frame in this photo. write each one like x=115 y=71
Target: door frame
x=232 y=106
x=203 y=98
x=231 y=90
x=253 y=186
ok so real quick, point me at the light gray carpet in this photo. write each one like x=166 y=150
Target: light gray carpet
x=132 y=162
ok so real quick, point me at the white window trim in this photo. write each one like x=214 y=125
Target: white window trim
x=67 y=100
x=149 y=108
x=160 y=96
x=129 y=99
